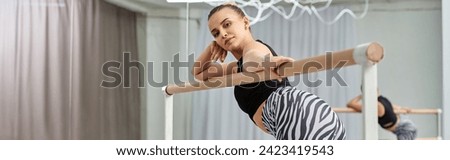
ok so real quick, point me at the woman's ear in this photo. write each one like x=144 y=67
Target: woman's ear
x=246 y=22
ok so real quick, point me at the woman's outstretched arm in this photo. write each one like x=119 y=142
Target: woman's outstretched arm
x=355 y=104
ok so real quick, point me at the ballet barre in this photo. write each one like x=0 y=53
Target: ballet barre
x=402 y=111
x=437 y=112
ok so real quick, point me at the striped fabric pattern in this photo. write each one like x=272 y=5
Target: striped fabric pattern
x=292 y=114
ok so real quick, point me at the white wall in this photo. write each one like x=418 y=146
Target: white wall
x=166 y=36
x=446 y=67
x=162 y=43
x=410 y=73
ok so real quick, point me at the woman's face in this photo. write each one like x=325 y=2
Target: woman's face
x=228 y=28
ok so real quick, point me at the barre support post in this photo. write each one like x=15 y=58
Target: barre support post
x=168 y=109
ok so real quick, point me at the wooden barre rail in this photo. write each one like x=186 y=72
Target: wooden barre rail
x=370 y=52
x=412 y=111
x=429 y=138
x=437 y=112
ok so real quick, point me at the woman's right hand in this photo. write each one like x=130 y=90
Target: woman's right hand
x=217 y=52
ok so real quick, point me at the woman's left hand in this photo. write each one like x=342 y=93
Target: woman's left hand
x=280 y=60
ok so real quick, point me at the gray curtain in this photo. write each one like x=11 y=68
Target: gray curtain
x=51 y=56
x=216 y=114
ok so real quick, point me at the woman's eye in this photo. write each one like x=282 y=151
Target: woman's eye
x=227 y=24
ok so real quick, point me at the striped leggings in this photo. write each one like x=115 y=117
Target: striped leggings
x=292 y=114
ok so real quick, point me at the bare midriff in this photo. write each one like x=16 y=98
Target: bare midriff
x=257 y=117
x=392 y=128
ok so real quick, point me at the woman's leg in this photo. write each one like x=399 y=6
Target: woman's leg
x=294 y=114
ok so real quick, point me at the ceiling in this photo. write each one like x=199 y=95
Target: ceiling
x=146 y=5
x=164 y=4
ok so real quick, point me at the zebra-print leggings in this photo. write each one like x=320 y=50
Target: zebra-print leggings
x=292 y=114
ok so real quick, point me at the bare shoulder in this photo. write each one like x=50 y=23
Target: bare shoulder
x=256 y=49
x=254 y=55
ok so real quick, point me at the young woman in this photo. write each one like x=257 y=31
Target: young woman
x=274 y=106
x=388 y=119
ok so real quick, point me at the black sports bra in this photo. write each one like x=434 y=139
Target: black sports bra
x=250 y=96
x=389 y=118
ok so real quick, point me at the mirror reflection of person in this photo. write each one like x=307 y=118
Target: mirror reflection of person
x=403 y=128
